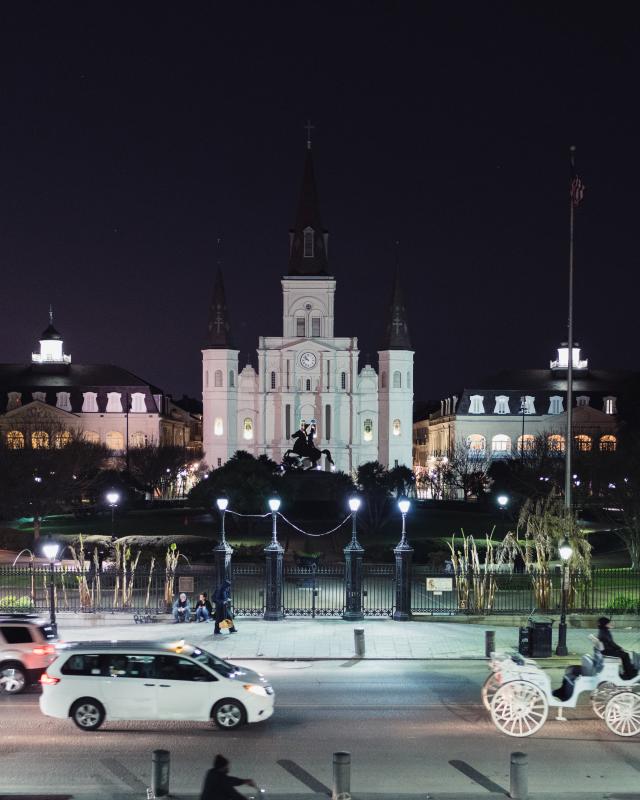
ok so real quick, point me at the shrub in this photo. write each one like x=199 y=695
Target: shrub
x=13 y=603
x=624 y=604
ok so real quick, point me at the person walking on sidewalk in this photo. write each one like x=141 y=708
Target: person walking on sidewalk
x=222 y=600
x=613 y=649
x=219 y=785
x=204 y=610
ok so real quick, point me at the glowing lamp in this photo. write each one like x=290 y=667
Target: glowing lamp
x=51 y=550
x=404 y=505
x=565 y=549
x=354 y=503
x=112 y=498
x=503 y=500
x=222 y=503
x=274 y=504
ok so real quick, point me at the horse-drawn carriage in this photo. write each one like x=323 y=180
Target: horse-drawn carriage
x=518 y=693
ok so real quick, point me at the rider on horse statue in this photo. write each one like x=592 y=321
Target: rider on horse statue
x=304 y=446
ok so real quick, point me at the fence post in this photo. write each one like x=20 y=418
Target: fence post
x=519 y=782
x=274 y=556
x=489 y=643
x=353 y=555
x=404 y=555
x=341 y=775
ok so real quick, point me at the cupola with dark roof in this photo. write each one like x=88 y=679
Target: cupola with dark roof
x=219 y=328
x=308 y=240
x=51 y=346
x=397 y=331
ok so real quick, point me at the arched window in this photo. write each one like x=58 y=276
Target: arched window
x=526 y=442
x=308 y=384
x=273 y=380
x=138 y=406
x=232 y=379
x=217 y=378
x=247 y=429
x=61 y=439
x=555 y=443
x=114 y=402
x=383 y=380
x=397 y=379
x=218 y=427
x=115 y=440
x=343 y=380
x=39 y=440
x=15 y=440
x=89 y=402
x=93 y=437
x=476 y=443
x=583 y=442
x=501 y=443
x=396 y=427
x=308 y=242
x=608 y=443
x=138 y=439
x=315 y=326
x=367 y=430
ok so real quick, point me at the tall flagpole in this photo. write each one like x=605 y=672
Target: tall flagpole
x=569 y=437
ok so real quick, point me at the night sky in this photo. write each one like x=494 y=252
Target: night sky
x=133 y=135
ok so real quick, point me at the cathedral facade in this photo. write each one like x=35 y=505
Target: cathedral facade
x=307 y=374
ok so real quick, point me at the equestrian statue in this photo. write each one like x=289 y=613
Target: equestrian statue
x=304 y=449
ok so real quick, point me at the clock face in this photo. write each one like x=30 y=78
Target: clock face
x=308 y=360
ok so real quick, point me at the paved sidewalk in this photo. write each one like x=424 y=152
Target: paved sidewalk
x=426 y=795
x=333 y=638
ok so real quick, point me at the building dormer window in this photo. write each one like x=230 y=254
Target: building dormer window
x=300 y=326
x=556 y=405
x=89 y=401
x=502 y=404
x=308 y=242
x=14 y=400
x=609 y=405
x=527 y=404
x=114 y=402
x=476 y=405
x=582 y=401
x=41 y=397
x=63 y=401
x=138 y=405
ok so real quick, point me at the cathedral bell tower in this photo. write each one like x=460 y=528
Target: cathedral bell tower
x=219 y=382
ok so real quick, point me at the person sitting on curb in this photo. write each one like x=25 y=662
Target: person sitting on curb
x=204 y=611
x=219 y=785
x=613 y=649
x=182 y=609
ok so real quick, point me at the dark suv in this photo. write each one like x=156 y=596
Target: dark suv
x=27 y=647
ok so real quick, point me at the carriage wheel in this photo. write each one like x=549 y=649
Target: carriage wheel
x=519 y=708
x=489 y=688
x=600 y=696
x=622 y=714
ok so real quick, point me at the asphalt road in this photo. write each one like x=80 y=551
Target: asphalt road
x=413 y=727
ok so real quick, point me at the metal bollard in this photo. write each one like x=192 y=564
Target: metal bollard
x=358 y=640
x=341 y=776
x=519 y=776
x=489 y=643
x=160 y=764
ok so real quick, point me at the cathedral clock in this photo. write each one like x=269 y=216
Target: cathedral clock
x=308 y=360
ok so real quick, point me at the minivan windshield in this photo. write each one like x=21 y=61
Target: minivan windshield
x=223 y=668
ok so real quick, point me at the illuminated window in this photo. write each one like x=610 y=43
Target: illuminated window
x=138 y=439
x=556 y=443
x=343 y=380
x=476 y=405
x=583 y=442
x=15 y=440
x=502 y=404
x=582 y=401
x=218 y=427
x=609 y=405
x=138 y=405
x=308 y=242
x=89 y=401
x=526 y=442
x=232 y=379
x=217 y=378
x=397 y=379
x=115 y=440
x=14 y=400
x=39 y=440
x=41 y=396
x=63 y=401
x=367 y=430
x=300 y=326
x=608 y=443
x=396 y=427
x=91 y=436
x=114 y=402
x=556 y=405
x=476 y=443
x=61 y=439
x=273 y=380
x=501 y=444
x=247 y=428
x=315 y=326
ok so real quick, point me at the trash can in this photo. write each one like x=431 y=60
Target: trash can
x=540 y=637
x=524 y=642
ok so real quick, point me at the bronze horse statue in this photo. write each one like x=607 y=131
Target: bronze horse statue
x=305 y=448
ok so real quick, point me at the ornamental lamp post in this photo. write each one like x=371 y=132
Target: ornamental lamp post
x=566 y=551
x=274 y=557
x=113 y=499
x=503 y=502
x=353 y=557
x=223 y=551
x=50 y=550
x=404 y=554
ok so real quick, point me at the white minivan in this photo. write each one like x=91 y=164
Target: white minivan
x=96 y=681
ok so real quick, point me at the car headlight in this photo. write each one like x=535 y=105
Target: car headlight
x=255 y=689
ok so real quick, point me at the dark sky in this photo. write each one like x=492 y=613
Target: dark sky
x=133 y=135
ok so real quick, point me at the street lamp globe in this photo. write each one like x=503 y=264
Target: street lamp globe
x=222 y=503
x=354 y=503
x=112 y=498
x=503 y=500
x=50 y=550
x=565 y=549
x=274 y=504
x=404 y=505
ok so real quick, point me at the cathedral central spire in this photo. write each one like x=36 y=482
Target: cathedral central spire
x=308 y=239
x=219 y=328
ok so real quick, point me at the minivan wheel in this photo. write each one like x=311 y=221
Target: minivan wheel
x=229 y=714
x=13 y=678
x=87 y=713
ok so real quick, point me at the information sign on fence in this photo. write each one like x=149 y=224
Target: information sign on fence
x=185 y=584
x=439 y=585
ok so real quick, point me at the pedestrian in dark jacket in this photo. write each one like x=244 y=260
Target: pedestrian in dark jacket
x=219 y=785
x=613 y=649
x=204 y=610
x=222 y=600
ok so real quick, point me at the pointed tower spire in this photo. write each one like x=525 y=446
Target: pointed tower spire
x=397 y=332
x=219 y=328
x=308 y=239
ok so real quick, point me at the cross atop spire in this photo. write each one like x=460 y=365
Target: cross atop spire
x=219 y=328
x=50 y=314
x=309 y=127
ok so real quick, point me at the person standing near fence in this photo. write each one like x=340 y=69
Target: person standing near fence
x=222 y=600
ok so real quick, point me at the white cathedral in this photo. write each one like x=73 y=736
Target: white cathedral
x=308 y=373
